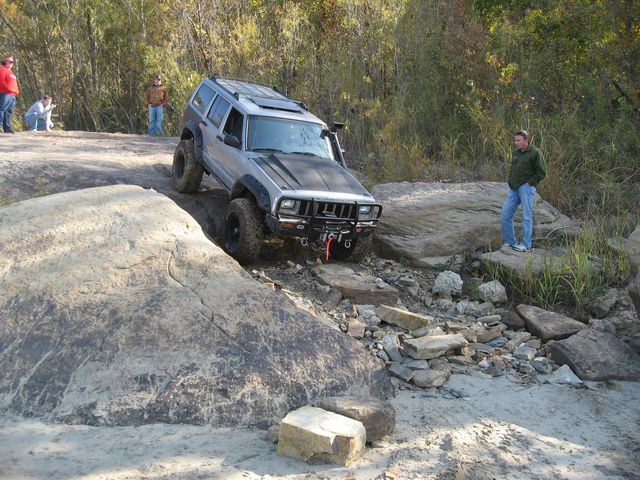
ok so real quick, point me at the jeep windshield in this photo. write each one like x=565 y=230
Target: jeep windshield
x=268 y=134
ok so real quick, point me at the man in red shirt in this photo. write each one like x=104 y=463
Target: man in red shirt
x=9 y=90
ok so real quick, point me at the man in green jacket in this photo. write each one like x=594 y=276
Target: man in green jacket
x=527 y=169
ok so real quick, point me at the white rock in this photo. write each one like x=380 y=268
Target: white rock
x=447 y=282
x=565 y=375
x=492 y=292
x=313 y=434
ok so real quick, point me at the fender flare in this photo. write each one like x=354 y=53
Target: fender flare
x=251 y=183
x=196 y=134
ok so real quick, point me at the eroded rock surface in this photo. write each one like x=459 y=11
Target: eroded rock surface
x=115 y=309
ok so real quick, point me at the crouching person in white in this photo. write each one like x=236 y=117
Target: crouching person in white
x=38 y=117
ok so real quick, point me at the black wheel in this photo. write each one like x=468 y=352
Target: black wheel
x=243 y=230
x=359 y=248
x=187 y=172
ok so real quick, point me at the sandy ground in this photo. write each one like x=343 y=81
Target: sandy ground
x=473 y=428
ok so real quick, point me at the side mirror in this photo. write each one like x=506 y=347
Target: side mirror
x=337 y=126
x=232 y=141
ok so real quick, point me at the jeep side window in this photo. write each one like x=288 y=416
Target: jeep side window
x=234 y=124
x=203 y=97
x=218 y=110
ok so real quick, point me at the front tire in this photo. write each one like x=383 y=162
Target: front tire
x=187 y=172
x=243 y=230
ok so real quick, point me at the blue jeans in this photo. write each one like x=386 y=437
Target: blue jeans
x=155 y=120
x=35 y=123
x=7 y=101
x=525 y=196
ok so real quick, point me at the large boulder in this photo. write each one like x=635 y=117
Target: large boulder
x=115 y=309
x=422 y=220
x=596 y=355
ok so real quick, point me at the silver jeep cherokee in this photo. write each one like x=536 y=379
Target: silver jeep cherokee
x=282 y=166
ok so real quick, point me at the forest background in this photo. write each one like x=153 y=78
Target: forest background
x=428 y=89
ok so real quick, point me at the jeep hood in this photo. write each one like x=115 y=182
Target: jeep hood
x=304 y=172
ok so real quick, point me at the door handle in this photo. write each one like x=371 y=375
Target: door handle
x=204 y=123
x=220 y=138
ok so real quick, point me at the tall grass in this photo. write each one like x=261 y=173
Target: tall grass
x=585 y=267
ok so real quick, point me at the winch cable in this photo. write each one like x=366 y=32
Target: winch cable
x=328 y=243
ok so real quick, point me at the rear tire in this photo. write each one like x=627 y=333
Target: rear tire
x=360 y=248
x=243 y=230
x=187 y=172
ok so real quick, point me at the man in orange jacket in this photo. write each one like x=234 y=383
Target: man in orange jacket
x=9 y=90
x=157 y=99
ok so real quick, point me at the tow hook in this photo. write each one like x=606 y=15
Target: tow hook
x=330 y=237
x=304 y=241
x=347 y=243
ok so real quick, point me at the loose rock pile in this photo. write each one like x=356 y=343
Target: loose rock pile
x=427 y=324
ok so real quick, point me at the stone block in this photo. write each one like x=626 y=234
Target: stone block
x=377 y=416
x=315 y=435
x=403 y=318
x=424 y=348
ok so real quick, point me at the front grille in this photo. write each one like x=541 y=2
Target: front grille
x=328 y=210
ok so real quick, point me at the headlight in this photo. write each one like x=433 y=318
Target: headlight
x=365 y=210
x=287 y=204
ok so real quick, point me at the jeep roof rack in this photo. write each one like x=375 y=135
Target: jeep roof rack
x=265 y=96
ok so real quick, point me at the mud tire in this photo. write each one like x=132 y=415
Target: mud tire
x=187 y=172
x=243 y=230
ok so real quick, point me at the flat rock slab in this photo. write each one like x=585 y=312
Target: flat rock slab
x=425 y=348
x=423 y=220
x=115 y=309
x=403 y=318
x=548 y=325
x=361 y=289
x=377 y=416
x=316 y=435
x=596 y=355
x=522 y=264
x=332 y=269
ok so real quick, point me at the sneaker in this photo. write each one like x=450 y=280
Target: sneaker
x=520 y=248
x=9 y=131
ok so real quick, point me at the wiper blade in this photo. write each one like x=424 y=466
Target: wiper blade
x=265 y=149
x=311 y=154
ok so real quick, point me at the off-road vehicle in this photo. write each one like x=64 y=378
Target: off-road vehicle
x=282 y=166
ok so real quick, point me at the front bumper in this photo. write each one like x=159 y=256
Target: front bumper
x=312 y=229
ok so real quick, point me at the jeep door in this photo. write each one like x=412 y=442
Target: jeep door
x=231 y=155
x=229 y=122
x=212 y=144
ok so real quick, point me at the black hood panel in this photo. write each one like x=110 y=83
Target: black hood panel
x=304 y=172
